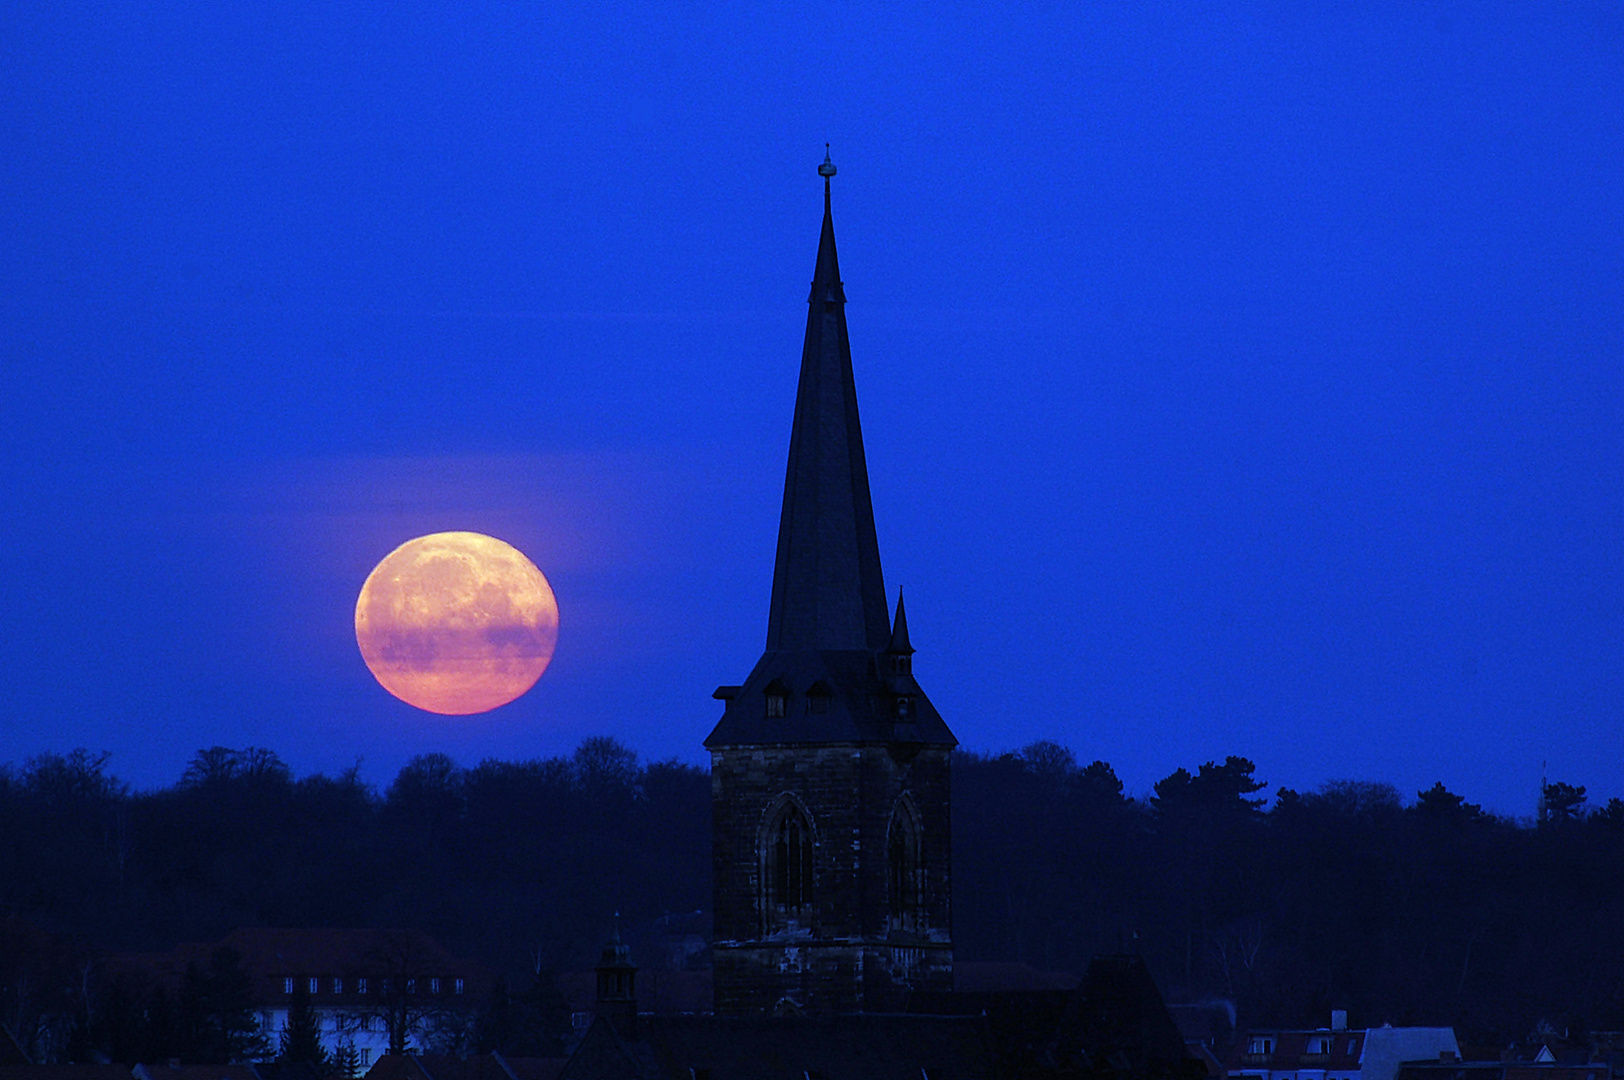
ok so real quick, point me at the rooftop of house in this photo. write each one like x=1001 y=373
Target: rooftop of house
x=876 y=1047
x=338 y=959
x=474 y=1067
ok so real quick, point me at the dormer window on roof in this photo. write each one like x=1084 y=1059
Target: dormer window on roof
x=817 y=698
x=777 y=700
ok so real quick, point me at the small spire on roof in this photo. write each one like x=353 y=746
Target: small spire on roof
x=615 y=951
x=899 y=631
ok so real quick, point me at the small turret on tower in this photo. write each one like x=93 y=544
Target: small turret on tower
x=900 y=650
x=617 y=985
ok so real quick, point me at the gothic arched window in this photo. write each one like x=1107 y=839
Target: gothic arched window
x=903 y=870
x=787 y=869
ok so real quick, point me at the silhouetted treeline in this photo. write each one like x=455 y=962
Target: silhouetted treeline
x=1423 y=910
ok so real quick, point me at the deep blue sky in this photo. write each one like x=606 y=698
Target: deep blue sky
x=1235 y=378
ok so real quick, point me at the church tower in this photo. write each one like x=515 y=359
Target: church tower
x=829 y=767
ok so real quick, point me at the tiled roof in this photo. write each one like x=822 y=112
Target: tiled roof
x=321 y=951
x=271 y=955
x=1290 y=1050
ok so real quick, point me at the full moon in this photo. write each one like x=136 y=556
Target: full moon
x=456 y=623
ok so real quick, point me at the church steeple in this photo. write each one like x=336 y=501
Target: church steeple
x=830 y=774
x=821 y=678
x=827 y=589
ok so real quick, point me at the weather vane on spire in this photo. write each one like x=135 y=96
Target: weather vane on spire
x=827 y=169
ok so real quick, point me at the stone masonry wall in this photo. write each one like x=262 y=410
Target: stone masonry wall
x=846 y=956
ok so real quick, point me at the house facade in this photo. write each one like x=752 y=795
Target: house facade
x=1336 y=1052
x=370 y=989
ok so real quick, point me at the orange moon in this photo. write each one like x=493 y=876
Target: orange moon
x=456 y=623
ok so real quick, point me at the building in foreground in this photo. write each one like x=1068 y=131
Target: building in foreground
x=370 y=989
x=1336 y=1052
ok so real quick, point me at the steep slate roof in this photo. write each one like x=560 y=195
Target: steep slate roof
x=828 y=619
x=11 y=1051
x=194 y=1072
x=1112 y=1024
x=875 y=1047
x=451 y=1067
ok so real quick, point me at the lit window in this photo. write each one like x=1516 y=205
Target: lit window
x=361 y=986
x=287 y=985
x=315 y=984
x=366 y=1055
x=338 y=985
x=456 y=987
x=411 y=986
x=434 y=986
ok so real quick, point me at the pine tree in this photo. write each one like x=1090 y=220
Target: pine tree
x=346 y=1061
x=301 y=1038
x=216 y=1023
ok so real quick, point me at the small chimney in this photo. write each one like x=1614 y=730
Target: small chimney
x=1339 y=1019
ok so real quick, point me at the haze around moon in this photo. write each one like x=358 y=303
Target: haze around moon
x=456 y=623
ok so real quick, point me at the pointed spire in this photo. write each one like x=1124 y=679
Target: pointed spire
x=899 y=632
x=826 y=274
x=827 y=590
